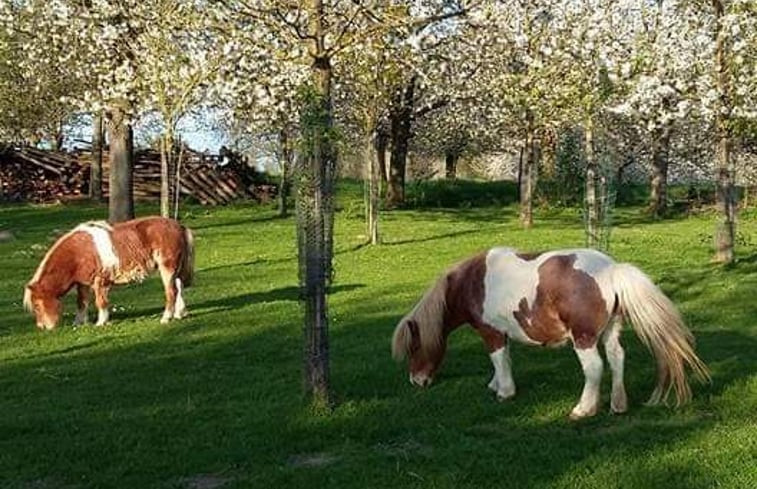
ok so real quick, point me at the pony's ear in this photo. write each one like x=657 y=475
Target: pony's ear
x=415 y=335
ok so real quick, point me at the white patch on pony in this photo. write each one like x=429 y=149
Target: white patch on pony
x=100 y=234
x=508 y=279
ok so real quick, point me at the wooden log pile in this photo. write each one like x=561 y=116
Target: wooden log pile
x=28 y=174
x=31 y=174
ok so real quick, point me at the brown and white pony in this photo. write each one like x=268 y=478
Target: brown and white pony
x=98 y=255
x=548 y=299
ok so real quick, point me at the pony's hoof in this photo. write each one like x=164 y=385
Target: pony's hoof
x=619 y=405
x=180 y=314
x=577 y=414
x=493 y=385
x=505 y=396
x=100 y=324
x=165 y=320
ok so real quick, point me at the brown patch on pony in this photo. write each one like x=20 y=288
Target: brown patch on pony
x=465 y=301
x=528 y=256
x=567 y=301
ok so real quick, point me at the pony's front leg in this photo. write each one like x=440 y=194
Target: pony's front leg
x=591 y=363
x=101 y=289
x=82 y=302
x=499 y=353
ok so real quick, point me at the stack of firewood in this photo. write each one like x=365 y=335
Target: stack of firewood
x=44 y=176
x=35 y=175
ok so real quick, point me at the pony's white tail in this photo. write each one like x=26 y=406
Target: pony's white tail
x=659 y=326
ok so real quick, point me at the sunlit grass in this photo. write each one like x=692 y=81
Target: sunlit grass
x=217 y=397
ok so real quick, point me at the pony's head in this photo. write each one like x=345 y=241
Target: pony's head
x=420 y=336
x=46 y=307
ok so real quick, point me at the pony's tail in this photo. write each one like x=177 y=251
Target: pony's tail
x=659 y=326
x=401 y=340
x=186 y=270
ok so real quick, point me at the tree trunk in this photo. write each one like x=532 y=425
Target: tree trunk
x=95 y=174
x=177 y=180
x=315 y=213
x=286 y=168
x=401 y=117
x=120 y=156
x=382 y=142
x=527 y=176
x=592 y=204
x=166 y=165
x=658 y=197
x=450 y=165
x=59 y=138
x=725 y=228
x=373 y=175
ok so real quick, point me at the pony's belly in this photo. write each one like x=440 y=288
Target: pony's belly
x=509 y=326
x=131 y=274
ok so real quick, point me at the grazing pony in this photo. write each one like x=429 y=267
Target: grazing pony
x=548 y=299
x=98 y=255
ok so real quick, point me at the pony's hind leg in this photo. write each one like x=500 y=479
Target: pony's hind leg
x=180 y=309
x=82 y=302
x=615 y=357
x=591 y=363
x=169 y=284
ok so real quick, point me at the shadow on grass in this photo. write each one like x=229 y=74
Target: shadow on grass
x=202 y=405
x=211 y=306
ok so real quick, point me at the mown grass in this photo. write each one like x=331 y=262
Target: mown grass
x=215 y=400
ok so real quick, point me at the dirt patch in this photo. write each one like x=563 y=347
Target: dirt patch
x=204 y=481
x=312 y=460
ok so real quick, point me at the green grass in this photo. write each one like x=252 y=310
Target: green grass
x=217 y=397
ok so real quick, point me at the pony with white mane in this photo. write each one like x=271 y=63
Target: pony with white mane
x=548 y=299
x=98 y=255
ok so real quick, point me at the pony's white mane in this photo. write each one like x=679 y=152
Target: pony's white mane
x=55 y=245
x=428 y=315
x=28 y=299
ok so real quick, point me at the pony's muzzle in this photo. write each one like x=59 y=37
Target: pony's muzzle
x=421 y=380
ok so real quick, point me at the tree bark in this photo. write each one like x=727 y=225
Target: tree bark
x=658 y=197
x=725 y=227
x=120 y=156
x=592 y=204
x=527 y=177
x=373 y=175
x=95 y=175
x=450 y=165
x=382 y=143
x=166 y=157
x=401 y=117
x=286 y=168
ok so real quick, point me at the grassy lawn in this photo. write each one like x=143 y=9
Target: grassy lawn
x=215 y=400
